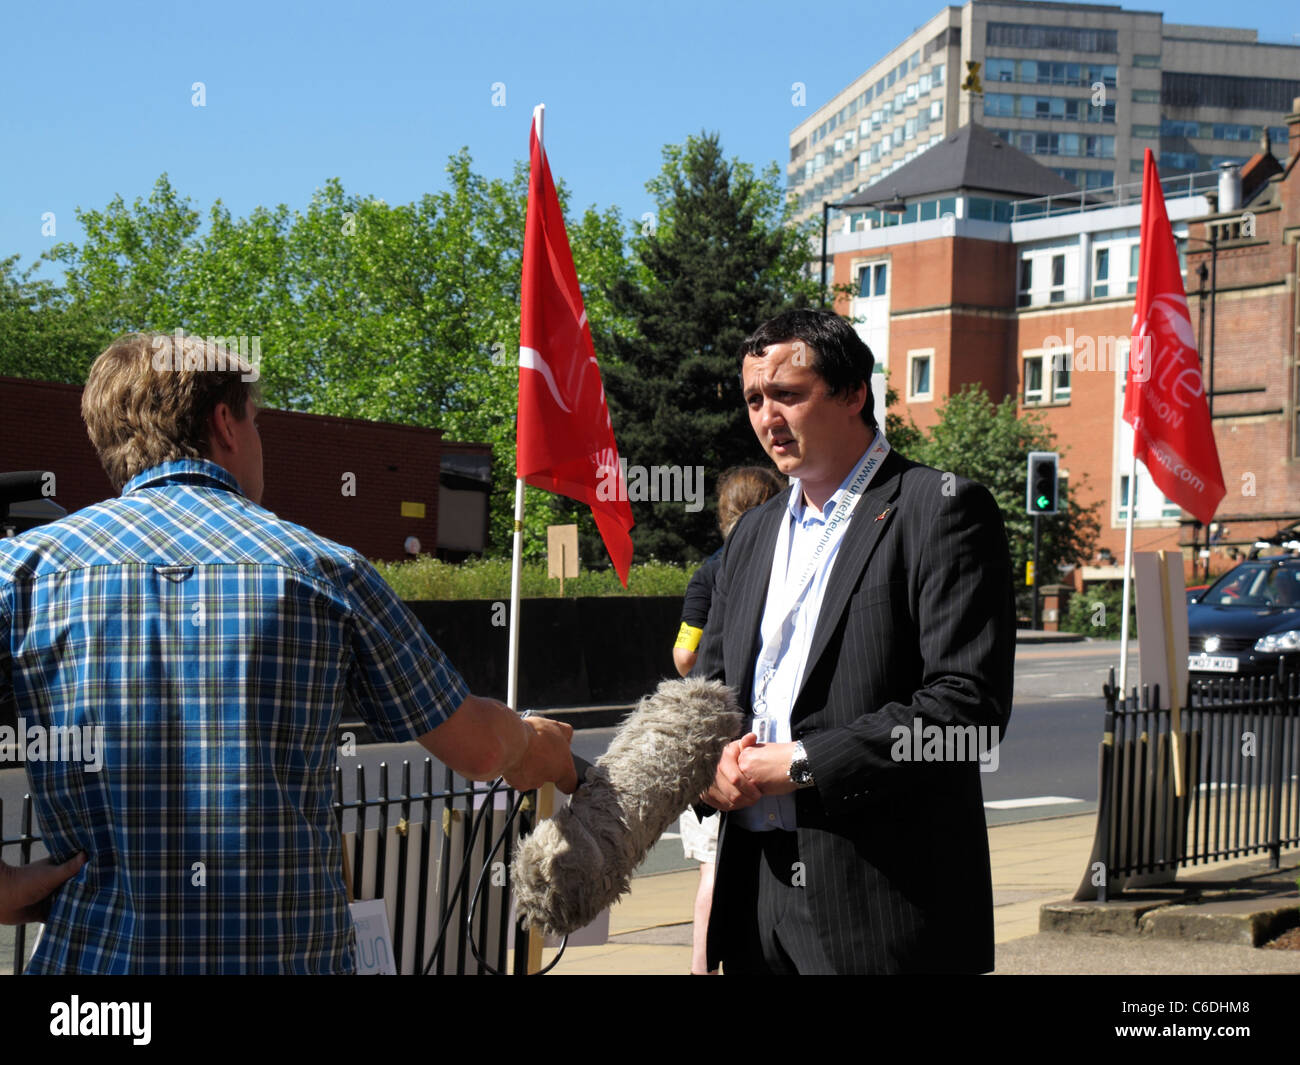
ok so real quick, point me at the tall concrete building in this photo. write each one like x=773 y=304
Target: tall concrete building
x=1084 y=88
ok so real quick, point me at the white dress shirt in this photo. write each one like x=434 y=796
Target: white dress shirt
x=796 y=542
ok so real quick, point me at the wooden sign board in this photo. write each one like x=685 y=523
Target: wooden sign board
x=1162 y=622
x=561 y=551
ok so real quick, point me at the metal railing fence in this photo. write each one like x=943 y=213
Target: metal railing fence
x=413 y=850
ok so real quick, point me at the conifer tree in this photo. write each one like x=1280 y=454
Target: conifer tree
x=712 y=263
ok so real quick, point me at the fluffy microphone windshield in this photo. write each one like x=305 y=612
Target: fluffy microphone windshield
x=580 y=861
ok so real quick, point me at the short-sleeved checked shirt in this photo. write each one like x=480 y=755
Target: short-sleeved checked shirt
x=217 y=646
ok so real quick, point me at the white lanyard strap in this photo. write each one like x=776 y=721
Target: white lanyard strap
x=833 y=531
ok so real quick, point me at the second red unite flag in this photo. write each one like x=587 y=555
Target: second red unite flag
x=565 y=441
x=1164 y=398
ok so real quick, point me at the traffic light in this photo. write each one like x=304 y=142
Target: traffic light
x=1040 y=490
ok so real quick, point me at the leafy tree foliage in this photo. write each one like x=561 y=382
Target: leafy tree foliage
x=42 y=335
x=405 y=313
x=714 y=262
x=988 y=443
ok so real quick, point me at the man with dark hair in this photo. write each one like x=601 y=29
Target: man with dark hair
x=870 y=605
x=214 y=646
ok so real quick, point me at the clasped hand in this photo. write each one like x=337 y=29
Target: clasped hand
x=747 y=771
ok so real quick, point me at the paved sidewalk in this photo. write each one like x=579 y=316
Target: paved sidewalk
x=1034 y=863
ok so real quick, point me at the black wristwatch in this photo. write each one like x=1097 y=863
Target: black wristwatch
x=801 y=775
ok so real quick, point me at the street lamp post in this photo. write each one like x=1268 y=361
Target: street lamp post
x=826 y=219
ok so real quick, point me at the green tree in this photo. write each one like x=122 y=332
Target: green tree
x=133 y=262
x=714 y=261
x=42 y=335
x=988 y=443
x=406 y=313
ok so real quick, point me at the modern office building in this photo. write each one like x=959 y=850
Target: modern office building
x=1084 y=88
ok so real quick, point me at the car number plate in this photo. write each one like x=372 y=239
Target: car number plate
x=1212 y=664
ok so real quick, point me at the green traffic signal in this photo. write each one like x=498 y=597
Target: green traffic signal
x=1041 y=488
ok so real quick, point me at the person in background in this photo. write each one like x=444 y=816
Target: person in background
x=740 y=488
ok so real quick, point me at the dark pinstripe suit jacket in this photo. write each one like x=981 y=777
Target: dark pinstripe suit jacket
x=917 y=622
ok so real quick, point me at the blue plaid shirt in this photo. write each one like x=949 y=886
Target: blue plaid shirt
x=217 y=646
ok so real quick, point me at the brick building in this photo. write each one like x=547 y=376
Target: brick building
x=956 y=282
x=369 y=485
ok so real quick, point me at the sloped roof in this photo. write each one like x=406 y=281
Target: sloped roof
x=972 y=159
x=1256 y=171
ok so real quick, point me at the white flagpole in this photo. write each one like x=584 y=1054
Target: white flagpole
x=517 y=559
x=516 y=565
x=1128 y=569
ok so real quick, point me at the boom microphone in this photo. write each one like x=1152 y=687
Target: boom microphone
x=581 y=860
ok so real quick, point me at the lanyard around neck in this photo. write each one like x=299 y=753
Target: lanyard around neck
x=831 y=534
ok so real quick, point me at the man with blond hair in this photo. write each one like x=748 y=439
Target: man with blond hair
x=217 y=646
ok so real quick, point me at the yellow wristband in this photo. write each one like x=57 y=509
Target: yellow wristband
x=688 y=637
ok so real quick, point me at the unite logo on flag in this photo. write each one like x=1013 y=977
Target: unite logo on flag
x=1164 y=398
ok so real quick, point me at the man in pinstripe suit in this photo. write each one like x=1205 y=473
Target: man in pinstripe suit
x=872 y=601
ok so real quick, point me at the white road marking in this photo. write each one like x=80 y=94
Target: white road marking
x=1037 y=800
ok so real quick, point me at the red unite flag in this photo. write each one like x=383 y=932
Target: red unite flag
x=565 y=442
x=1164 y=399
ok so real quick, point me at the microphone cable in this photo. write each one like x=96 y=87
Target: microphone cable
x=463 y=880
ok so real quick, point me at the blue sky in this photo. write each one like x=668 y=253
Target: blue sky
x=95 y=98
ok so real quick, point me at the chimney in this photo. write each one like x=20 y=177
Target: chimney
x=1229 y=187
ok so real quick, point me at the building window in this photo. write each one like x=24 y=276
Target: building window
x=1101 y=273
x=936 y=110
x=1047 y=376
x=1063 y=38
x=1026 y=283
x=1146 y=132
x=1000 y=70
x=1146 y=96
x=1058 y=279
x=920 y=365
x=1151 y=62
x=1133 y=269
x=999 y=104
x=1033 y=380
x=1060 y=364
x=1124 y=485
x=938 y=73
x=1231 y=92
x=873 y=279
